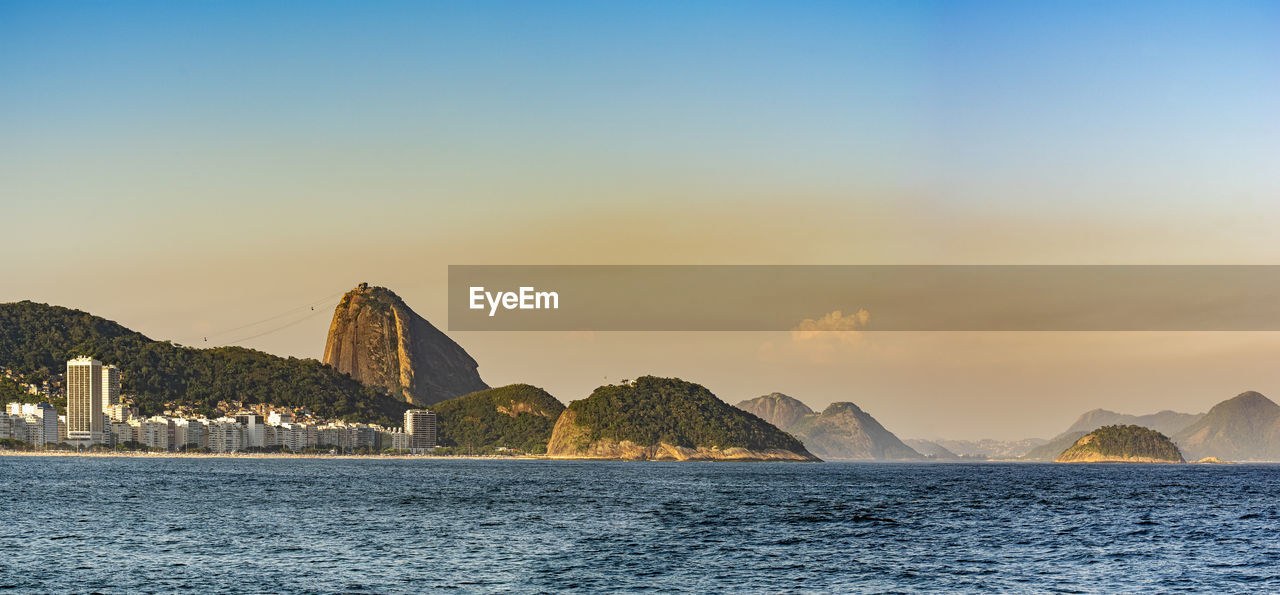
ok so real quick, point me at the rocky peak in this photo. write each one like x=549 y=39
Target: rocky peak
x=776 y=408
x=377 y=339
x=1249 y=400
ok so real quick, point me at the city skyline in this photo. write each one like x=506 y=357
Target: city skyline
x=120 y=427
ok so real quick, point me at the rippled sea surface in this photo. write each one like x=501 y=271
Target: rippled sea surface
x=306 y=525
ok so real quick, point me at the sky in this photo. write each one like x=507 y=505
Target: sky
x=190 y=168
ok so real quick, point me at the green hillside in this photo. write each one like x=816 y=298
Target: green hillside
x=655 y=410
x=1122 y=444
x=516 y=416
x=36 y=340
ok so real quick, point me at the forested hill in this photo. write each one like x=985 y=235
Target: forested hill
x=516 y=416
x=1122 y=444
x=38 y=339
x=655 y=410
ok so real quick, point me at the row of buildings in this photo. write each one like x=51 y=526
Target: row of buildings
x=95 y=416
x=33 y=423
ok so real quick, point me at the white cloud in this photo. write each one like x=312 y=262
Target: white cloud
x=831 y=338
x=832 y=326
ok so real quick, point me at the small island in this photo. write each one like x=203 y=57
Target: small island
x=1122 y=444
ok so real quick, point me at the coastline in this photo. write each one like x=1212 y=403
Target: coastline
x=256 y=455
x=182 y=455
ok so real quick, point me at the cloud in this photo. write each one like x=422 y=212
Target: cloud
x=831 y=338
x=832 y=326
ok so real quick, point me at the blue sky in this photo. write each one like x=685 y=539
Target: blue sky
x=971 y=103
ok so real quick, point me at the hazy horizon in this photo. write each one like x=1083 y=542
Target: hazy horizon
x=187 y=169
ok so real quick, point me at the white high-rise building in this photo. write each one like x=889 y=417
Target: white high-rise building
x=119 y=412
x=41 y=419
x=190 y=433
x=224 y=434
x=122 y=432
x=83 y=384
x=296 y=437
x=13 y=427
x=276 y=418
x=108 y=437
x=420 y=426
x=157 y=432
x=393 y=439
x=110 y=388
x=254 y=429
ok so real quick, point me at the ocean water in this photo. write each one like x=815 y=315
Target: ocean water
x=322 y=525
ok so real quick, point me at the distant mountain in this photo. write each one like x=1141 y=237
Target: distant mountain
x=932 y=450
x=776 y=408
x=377 y=339
x=992 y=449
x=844 y=432
x=1166 y=422
x=516 y=416
x=666 y=419
x=36 y=340
x=1243 y=428
x=841 y=432
x=1051 y=449
x=1122 y=444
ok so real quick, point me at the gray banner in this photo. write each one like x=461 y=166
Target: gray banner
x=872 y=298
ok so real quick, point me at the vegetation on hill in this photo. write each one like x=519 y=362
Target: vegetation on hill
x=516 y=416
x=654 y=410
x=1120 y=443
x=36 y=340
x=13 y=392
x=1166 y=422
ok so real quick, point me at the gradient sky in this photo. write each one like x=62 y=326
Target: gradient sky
x=188 y=168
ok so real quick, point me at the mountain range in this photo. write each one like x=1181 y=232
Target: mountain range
x=841 y=432
x=1243 y=428
x=383 y=358
x=932 y=450
x=988 y=448
x=1166 y=422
